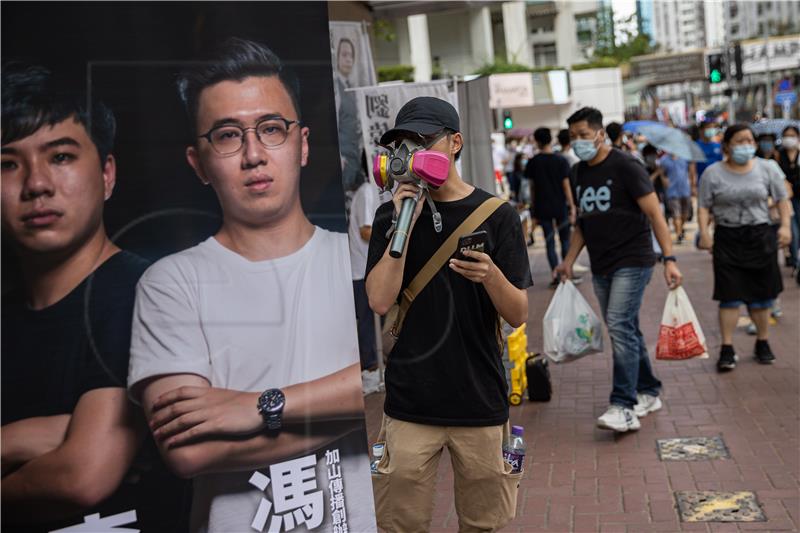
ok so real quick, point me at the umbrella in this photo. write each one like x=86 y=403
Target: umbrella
x=673 y=141
x=634 y=125
x=774 y=126
x=517 y=133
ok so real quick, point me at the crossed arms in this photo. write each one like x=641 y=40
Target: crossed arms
x=202 y=429
x=71 y=462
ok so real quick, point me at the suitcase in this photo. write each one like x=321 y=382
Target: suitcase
x=539 y=387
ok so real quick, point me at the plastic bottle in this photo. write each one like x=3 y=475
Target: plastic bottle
x=514 y=449
x=377 y=453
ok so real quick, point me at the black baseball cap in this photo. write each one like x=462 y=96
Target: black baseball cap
x=425 y=115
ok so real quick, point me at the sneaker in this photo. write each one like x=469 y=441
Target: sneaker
x=777 y=310
x=620 y=419
x=578 y=268
x=646 y=404
x=751 y=328
x=763 y=353
x=727 y=358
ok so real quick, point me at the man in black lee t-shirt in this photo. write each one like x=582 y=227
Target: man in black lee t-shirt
x=72 y=441
x=551 y=196
x=616 y=207
x=445 y=382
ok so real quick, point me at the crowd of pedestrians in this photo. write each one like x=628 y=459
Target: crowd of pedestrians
x=742 y=193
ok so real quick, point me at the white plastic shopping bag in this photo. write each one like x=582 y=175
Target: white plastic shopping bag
x=680 y=336
x=571 y=329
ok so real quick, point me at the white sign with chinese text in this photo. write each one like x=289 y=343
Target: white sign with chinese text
x=378 y=107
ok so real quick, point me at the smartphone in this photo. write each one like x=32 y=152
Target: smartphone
x=474 y=241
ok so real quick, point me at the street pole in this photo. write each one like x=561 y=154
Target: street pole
x=768 y=92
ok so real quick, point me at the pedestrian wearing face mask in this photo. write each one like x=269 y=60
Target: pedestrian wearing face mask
x=766 y=146
x=788 y=161
x=618 y=211
x=708 y=142
x=737 y=193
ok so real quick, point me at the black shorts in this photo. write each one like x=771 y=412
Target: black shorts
x=746 y=263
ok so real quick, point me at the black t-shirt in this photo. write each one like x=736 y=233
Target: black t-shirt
x=51 y=357
x=446 y=368
x=616 y=231
x=791 y=169
x=547 y=173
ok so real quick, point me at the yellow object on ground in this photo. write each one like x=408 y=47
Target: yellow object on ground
x=518 y=354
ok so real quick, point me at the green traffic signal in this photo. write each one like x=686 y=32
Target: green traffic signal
x=508 y=123
x=715 y=76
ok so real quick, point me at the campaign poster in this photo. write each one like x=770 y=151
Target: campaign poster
x=179 y=348
x=353 y=67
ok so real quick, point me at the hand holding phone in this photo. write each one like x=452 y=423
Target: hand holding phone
x=474 y=241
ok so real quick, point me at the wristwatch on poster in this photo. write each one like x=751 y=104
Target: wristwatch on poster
x=270 y=406
x=666 y=258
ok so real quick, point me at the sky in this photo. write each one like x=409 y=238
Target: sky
x=622 y=10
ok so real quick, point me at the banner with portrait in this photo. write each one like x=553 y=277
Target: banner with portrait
x=173 y=356
x=351 y=55
x=378 y=107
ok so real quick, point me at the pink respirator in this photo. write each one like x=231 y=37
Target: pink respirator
x=409 y=164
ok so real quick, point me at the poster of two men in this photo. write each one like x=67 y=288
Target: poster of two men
x=179 y=347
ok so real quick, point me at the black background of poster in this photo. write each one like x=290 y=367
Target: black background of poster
x=132 y=52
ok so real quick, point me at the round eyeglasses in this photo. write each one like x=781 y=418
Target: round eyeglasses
x=228 y=139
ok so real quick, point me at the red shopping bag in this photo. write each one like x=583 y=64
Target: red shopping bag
x=680 y=336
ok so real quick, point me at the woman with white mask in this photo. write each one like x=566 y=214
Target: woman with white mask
x=736 y=192
x=788 y=160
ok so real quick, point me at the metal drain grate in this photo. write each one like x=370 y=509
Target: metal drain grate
x=692 y=449
x=710 y=506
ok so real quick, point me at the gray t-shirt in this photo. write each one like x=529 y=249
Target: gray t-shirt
x=738 y=200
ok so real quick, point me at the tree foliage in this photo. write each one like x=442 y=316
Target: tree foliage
x=501 y=66
x=631 y=44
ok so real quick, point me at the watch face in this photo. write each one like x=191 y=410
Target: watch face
x=273 y=401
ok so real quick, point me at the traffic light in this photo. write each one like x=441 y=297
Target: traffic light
x=716 y=68
x=737 y=59
x=508 y=122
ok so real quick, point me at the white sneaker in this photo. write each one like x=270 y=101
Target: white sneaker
x=578 y=268
x=646 y=404
x=619 y=419
x=370 y=381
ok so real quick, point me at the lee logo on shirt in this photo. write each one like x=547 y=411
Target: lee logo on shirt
x=592 y=198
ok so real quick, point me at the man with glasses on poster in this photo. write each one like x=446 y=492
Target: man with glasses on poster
x=73 y=444
x=244 y=351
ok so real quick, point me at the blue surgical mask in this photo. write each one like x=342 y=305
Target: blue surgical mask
x=710 y=132
x=743 y=153
x=766 y=146
x=640 y=146
x=585 y=150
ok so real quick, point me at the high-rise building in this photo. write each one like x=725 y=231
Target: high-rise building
x=679 y=25
x=644 y=17
x=746 y=19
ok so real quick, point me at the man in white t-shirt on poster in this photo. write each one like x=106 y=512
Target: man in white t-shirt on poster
x=244 y=347
x=362 y=212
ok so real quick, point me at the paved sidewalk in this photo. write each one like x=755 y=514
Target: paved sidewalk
x=580 y=478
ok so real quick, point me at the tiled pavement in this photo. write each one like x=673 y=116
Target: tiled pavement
x=580 y=478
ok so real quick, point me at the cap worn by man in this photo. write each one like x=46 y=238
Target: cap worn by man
x=424 y=115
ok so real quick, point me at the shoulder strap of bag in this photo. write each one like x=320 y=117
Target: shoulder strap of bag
x=437 y=261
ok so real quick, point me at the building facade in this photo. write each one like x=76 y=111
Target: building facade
x=442 y=39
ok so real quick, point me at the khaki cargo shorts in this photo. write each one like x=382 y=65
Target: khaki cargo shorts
x=404 y=485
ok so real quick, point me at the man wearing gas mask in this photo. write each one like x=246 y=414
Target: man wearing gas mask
x=445 y=382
